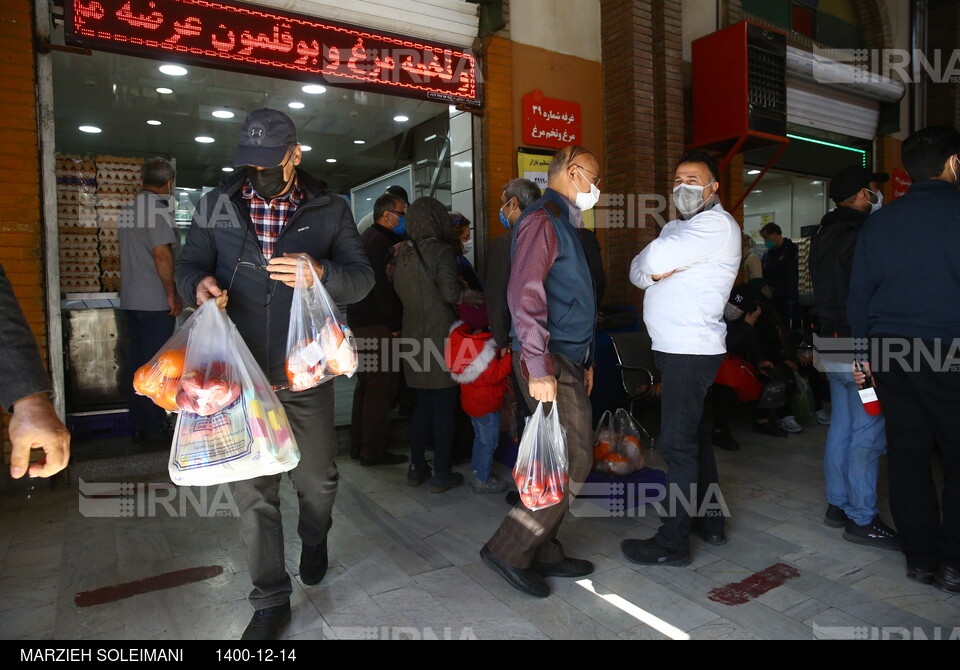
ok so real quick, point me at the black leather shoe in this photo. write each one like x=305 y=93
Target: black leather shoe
x=568 y=567
x=649 y=552
x=722 y=439
x=835 y=517
x=313 y=563
x=266 y=623
x=522 y=579
x=709 y=538
x=947 y=579
x=386 y=459
x=920 y=575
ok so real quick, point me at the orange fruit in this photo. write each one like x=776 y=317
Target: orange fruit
x=170 y=363
x=146 y=381
x=167 y=397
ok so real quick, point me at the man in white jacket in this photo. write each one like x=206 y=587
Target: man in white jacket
x=687 y=274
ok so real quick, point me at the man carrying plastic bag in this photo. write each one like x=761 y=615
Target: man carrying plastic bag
x=246 y=237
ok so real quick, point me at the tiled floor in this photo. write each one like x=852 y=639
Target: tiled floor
x=405 y=564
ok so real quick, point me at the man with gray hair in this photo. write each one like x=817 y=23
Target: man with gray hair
x=148 y=295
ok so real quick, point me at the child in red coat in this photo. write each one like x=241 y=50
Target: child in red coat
x=481 y=371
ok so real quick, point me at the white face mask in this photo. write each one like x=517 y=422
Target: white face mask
x=731 y=312
x=467 y=247
x=874 y=206
x=955 y=180
x=586 y=200
x=688 y=197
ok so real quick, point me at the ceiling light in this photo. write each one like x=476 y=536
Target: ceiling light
x=306 y=147
x=431 y=138
x=753 y=172
x=203 y=139
x=89 y=129
x=331 y=160
x=757 y=190
x=223 y=114
x=164 y=91
x=314 y=89
x=227 y=169
x=816 y=183
x=359 y=141
x=401 y=119
x=296 y=105
x=369 y=199
x=173 y=70
x=153 y=122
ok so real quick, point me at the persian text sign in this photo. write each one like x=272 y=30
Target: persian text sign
x=548 y=122
x=899 y=183
x=271 y=42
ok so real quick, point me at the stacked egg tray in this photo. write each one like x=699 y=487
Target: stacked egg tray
x=118 y=182
x=805 y=283
x=77 y=223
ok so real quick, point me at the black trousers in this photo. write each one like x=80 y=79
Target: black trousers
x=921 y=405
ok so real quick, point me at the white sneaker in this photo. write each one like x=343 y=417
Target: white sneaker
x=789 y=424
x=823 y=417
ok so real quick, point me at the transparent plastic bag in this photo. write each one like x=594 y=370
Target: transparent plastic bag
x=319 y=345
x=159 y=378
x=541 y=469
x=250 y=438
x=604 y=442
x=210 y=382
x=629 y=446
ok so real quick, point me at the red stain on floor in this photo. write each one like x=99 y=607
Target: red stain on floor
x=754 y=586
x=109 y=594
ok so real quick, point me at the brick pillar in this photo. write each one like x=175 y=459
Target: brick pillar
x=499 y=157
x=643 y=81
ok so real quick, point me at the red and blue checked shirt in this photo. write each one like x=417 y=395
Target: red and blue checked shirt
x=270 y=216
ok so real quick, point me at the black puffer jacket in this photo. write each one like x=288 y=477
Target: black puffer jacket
x=222 y=242
x=831 y=264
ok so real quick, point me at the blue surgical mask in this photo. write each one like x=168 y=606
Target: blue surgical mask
x=504 y=220
x=770 y=244
x=401 y=227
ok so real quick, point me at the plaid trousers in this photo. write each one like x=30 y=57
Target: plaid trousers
x=526 y=536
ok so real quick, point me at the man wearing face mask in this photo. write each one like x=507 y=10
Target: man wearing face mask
x=148 y=295
x=905 y=297
x=246 y=238
x=686 y=275
x=855 y=440
x=781 y=268
x=552 y=299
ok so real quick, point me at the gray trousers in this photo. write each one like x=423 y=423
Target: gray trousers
x=315 y=479
x=525 y=536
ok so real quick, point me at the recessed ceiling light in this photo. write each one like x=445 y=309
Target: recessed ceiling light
x=173 y=70
x=89 y=129
x=401 y=119
x=153 y=122
x=203 y=139
x=314 y=89
x=306 y=147
x=296 y=105
x=757 y=191
x=164 y=90
x=331 y=160
x=359 y=141
x=223 y=114
x=227 y=169
x=816 y=183
x=753 y=172
x=369 y=199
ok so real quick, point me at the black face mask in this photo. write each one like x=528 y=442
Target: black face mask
x=269 y=182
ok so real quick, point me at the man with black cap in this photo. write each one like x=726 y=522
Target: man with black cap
x=246 y=238
x=855 y=440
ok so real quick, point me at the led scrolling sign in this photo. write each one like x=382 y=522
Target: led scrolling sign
x=265 y=41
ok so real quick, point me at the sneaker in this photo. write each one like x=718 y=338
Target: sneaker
x=768 y=428
x=789 y=424
x=441 y=483
x=649 y=552
x=493 y=484
x=875 y=534
x=418 y=474
x=835 y=517
x=724 y=440
x=313 y=563
x=266 y=623
x=823 y=417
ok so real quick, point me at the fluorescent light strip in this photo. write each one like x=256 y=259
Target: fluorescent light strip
x=637 y=613
x=863 y=154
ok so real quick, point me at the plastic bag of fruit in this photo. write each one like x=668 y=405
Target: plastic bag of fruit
x=159 y=378
x=541 y=469
x=210 y=380
x=250 y=437
x=605 y=441
x=629 y=430
x=319 y=345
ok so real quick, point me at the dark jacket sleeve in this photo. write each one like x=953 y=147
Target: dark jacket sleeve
x=591 y=248
x=20 y=364
x=495 y=289
x=198 y=258
x=862 y=287
x=347 y=274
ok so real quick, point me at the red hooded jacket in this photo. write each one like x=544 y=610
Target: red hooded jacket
x=473 y=363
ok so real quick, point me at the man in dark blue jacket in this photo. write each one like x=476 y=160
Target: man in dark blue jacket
x=905 y=296
x=246 y=238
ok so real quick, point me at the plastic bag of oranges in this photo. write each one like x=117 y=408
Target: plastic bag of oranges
x=541 y=469
x=159 y=378
x=630 y=447
x=319 y=345
x=605 y=440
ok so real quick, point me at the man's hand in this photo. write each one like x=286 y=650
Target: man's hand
x=663 y=276
x=173 y=302
x=751 y=317
x=284 y=269
x=35 y=425
x=588 y=379
x=543 y=389
x=860 y=378
x=207 y=289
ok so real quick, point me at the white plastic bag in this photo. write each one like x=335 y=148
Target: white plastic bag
x=319 y=345
x=541 y=469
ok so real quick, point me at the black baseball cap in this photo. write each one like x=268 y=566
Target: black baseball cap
x=851 y=179
x=740 y=297
x=265 y=137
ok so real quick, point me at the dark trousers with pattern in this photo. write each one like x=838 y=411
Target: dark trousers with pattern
x=526 y=536
x=374 y=394
x=315 y=479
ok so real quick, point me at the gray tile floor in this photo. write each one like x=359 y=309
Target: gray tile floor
x=405 y=565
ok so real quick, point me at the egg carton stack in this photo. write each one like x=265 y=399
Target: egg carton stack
x=77 y=224
x=118 y=182
x=803 y=249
